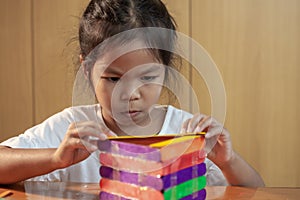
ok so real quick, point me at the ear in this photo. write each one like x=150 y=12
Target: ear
x=85 y=68
x=81 y=59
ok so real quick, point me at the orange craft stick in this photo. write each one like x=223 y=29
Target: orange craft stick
x=159 y=151
x=5 y=193
x=151 y=167
x=129 y=190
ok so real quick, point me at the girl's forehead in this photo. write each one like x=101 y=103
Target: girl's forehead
x=139 y=59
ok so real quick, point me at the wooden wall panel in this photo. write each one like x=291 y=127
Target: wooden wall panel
x=15 y=68
x=256 y=45
x=55 y=24
x=179 y=9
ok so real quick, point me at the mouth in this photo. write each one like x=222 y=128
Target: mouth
x=131 y=113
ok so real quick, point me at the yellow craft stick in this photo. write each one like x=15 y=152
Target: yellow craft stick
x=156 y=136
x=173 y=141
x=5 y=193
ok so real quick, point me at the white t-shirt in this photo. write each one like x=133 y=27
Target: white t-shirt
x=51 y=132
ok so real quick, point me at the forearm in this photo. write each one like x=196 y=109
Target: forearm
x=238 y=172
x=21 y=164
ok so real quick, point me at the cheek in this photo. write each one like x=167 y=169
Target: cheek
x=103 y=95
x=152 y=92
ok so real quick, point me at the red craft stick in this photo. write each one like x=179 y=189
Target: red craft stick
x=129 y=190
x=161 y=150
x=151 y=167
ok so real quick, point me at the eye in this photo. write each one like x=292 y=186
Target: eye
x=111 y=79
x=148 y=78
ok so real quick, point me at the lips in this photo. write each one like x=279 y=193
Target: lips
x=132 y=113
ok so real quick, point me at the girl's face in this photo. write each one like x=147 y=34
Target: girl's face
x=128 y=87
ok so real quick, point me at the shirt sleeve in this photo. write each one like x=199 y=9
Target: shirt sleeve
x=48 y=134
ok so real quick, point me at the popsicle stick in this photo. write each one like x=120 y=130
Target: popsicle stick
x=173 y=141
x=186 y=188
x=153 y=138
x=169 y=149
x=5 y=193
x=157 y=183
x=108 y=196
x=150 y=167
x=129 y=190
x=199 y=195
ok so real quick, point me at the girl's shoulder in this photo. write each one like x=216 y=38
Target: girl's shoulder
x=51 y=131
x=176 y=113
x=174 y=119
x=81 y=113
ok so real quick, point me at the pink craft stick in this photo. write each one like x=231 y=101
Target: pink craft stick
x=129 y=190
x=150 y=167
x=130 y=148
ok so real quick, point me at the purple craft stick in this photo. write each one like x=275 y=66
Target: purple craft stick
x=164 y=182
x=199 y=195
x=144 y=151
x=130 y=177
x=181 y=176
x=109 y=196
x=129 y=149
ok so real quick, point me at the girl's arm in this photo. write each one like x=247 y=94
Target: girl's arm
x=238 y=172
x=21 y=164
x=218 y=143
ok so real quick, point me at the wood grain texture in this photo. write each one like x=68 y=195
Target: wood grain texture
x=179 y=10
x=15 y=68
x=55 y=25
x=256 y=45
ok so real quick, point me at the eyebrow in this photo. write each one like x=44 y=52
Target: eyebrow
x=152 y=69
x=112 y=71
x=118 y=72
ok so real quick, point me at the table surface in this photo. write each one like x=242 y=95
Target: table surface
x=61 y=190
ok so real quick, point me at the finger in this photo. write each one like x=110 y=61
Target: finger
x=74 y=143
x=111 y=134
x=214 y=131
x=203 y=124
x=210 y=143
x=184 y=126
x=84 y=144
x=195 y=120
x=90 y=146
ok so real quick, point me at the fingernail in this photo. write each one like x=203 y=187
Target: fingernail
x=112 y=134
x=93 y=148
x=207 y=134
x=182 y=130
x=102 y=137
x=197 y=130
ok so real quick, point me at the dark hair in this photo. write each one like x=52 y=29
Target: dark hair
x=103 y=19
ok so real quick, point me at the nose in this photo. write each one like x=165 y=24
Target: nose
x=130 y=91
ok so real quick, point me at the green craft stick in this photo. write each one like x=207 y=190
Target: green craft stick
x=186 y=188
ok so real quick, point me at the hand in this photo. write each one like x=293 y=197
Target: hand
x=218 y=142
x=76 y=145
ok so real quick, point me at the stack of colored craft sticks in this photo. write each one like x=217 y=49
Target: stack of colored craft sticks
x=158 y=167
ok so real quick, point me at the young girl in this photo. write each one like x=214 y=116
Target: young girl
x=127 y=87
